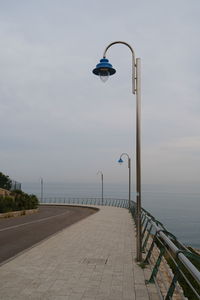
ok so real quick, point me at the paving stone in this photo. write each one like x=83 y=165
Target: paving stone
x=93 y=259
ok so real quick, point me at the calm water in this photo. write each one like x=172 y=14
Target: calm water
x=177 y=207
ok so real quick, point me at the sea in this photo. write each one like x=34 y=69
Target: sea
x=177 y=206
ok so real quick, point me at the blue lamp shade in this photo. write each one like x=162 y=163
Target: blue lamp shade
x=120 y=161
x=104 y=68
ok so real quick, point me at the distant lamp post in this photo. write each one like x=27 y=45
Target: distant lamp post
x=42 y=189
x=99 y=172
x=105 y=69
x=120 y=161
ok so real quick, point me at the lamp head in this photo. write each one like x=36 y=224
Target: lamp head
x=104 y=69
x=120 y=161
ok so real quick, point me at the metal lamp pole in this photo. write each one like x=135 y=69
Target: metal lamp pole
x=104 y=69
x=129 y=176
x=99 y=172
x=42 y=189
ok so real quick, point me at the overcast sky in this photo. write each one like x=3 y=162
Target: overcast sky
x=60 y=122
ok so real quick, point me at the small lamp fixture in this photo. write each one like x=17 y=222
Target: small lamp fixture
x=104 y=69
x=120 y=161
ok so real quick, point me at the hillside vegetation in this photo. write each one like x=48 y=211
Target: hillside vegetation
x=14 y=200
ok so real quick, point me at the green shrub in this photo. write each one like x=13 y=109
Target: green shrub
x=18 y=200
x=6 y=204
x=5 y=181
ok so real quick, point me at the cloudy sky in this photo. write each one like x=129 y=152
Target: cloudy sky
x=59 y=122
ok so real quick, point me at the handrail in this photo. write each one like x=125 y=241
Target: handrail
x=177 y=253
x=87 y=200
x=194 y=272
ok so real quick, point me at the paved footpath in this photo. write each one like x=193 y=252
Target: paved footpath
x=93 y=259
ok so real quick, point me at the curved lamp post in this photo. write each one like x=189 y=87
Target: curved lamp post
x=129 y=176
x=105 y=69
x=99 y=172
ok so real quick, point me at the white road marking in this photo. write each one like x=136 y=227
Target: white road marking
x=27 y=223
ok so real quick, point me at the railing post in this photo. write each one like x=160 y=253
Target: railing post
x=156 y=267
x=146 y=261
x=147 y=238
x=172 y=285
x=144 y=230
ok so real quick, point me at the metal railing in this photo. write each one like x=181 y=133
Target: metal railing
x=175 y=269
x=123 y=203
x=15 y=185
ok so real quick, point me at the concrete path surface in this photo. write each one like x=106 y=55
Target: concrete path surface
x=93 y=259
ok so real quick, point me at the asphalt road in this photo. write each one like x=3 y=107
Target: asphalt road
x=20 y=233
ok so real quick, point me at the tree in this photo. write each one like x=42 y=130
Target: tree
x=5 y=181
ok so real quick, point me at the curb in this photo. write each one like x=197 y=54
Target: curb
x=18 y=213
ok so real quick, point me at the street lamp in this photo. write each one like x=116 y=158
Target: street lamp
x=42 y=189
x=129 y=176
x=99 y=172
x=105 y=69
